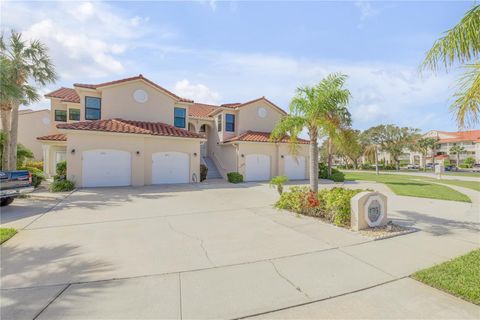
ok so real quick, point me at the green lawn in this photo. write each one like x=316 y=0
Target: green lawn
x=460 y=276
x=6 y=233
x=463 y=174
x=474 y=185
x=412 y=186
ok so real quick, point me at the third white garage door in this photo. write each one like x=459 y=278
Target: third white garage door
x=170 y=167
x=106 y=168
x=295 y=167
x=257 y=167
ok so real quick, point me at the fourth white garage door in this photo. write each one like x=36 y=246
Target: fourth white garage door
x=257 y=167
x=170 y=167
x=106 y=168
x=295 y=167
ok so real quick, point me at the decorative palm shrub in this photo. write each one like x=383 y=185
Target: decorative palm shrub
x=278 y=182
x=234 y=177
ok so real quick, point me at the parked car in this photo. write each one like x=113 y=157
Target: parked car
x=451 y=168
x=13 y=184
x=413 y=166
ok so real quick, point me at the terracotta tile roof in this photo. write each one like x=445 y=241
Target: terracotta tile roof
x=200 y=110
x=472 y=135
x=54 y=137
x=66 y=94
x=130 y=126
x=255 y=136
x=140 y=76
x=231 y=105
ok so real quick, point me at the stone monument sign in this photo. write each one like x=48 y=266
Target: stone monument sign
x=369 y=209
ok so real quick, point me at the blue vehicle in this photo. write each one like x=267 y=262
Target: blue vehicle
x=13 y=184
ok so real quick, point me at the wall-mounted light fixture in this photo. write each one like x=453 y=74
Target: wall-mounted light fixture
x=243 y=156
x=138 y=153
x=194 y=154
x=72 y=151
x=282 y=156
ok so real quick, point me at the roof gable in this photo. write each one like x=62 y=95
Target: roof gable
x=140 y=77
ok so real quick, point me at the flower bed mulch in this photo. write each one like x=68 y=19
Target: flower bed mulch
x=388 y=231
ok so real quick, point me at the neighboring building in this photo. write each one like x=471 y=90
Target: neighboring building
x=31 y=124
x=469 y=140
x=134 y=132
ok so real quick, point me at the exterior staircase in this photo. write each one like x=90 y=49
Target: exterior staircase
x=212 y=169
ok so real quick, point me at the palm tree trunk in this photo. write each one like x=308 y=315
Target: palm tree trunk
x=13 y=138
x=5 y=115
x=329 y=158
x=313 y=162
x=376 y=162
x=458 y=159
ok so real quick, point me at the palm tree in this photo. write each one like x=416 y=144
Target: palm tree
x=424 y=145
x=457 y=150
x=25 y=62
x=313 y=109
x=461 y=44
x=372 y=139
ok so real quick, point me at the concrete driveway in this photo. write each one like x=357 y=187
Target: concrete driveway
x=219 y=251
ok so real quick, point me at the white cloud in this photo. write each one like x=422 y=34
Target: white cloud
x=197 y=92
x=381 y=92
x=84 y=39
x=367 y=10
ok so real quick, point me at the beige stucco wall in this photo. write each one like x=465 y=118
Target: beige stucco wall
x=248 y=118
x=118 y=102
x=141 y=163
x=32 y=124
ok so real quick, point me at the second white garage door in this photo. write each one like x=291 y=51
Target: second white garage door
x=295 y=167
x=170 y=167
x=106 y=168
x=257 y=167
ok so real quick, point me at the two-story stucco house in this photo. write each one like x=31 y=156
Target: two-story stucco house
x=134 y=132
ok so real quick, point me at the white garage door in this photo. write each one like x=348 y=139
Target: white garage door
x=170 y=167
x=257 y=167
x=106 y=168
x=295 y=167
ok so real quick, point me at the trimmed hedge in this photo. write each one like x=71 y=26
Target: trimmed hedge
x=62 y=185
x=234 y=177
x=337 y=176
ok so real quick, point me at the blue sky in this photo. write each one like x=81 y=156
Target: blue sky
x=220 y=52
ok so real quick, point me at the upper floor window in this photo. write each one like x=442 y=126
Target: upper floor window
x=61 y=115
x=219 y=123
x=230 y=122
x=74 y=114
x=180 y=116
x=93 y=106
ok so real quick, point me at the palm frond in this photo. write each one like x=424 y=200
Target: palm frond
x=460 y=44
x=466 y=106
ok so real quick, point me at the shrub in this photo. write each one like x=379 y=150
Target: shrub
x=35 y=164
x=234 y=177
x=294 y=200
x=469 y=162
x=62 y=169
x=336 y=176
x=336 y=204
x=37 y=175
x=203 y=172
x=278 y=182
x=62 y=185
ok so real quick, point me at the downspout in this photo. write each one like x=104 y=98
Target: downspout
x=236 y=158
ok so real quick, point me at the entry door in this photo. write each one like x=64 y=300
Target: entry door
x=170 y=167
x=257 y=167
x=106 y=168
x=295 y=167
